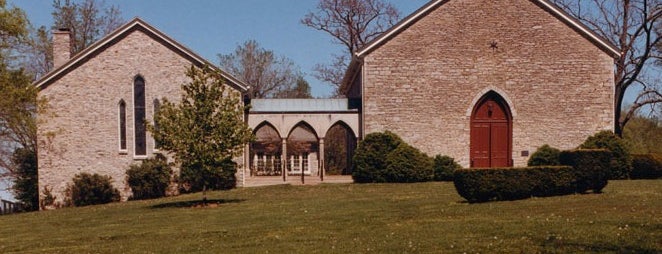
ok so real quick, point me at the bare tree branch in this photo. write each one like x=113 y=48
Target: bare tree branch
x=351 y=23
x=633 y=26
x=269 y=75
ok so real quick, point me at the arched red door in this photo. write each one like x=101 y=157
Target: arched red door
x=491 y=132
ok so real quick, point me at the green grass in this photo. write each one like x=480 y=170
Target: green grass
x=351 y=218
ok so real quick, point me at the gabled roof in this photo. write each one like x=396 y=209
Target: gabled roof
x=566 y=18
x=133 y=25
x=356 y=62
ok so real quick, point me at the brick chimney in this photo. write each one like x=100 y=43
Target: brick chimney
x=61 y=47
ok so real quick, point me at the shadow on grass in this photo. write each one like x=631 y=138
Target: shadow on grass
x=597 y=247
x=197 y=203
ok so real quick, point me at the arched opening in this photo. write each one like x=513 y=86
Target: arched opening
x=491 y=132
x=339 y=146
x=122 y=124
x=302 y=150
x=265 y=151
x=140 y=130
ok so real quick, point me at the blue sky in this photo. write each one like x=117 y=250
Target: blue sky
x=211 y=27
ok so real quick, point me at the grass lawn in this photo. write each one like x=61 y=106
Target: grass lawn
x=351 y=218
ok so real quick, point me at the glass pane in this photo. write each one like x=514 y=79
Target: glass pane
x=139 y=114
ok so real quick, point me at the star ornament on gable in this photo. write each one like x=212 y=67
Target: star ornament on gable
x=494 y=46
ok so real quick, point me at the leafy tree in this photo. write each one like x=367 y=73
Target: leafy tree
x=633 y=26
x=643 y=135
x=18 y=108
x=351 y=23
x=300 y=90
x=206 y=128
x=26 y=187
x=269 y=75
x=88 y=20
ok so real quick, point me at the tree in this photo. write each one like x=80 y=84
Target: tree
x=88 y=21
x=300 y=90
x=631 y=26
x=351 y=23
x=25 y=186
x=643 y=135
x=18 y=107
x=205 y=130
x=269 y=75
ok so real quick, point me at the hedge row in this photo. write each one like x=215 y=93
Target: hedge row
x=485 y=184
x=646 y=166
x=583 y=170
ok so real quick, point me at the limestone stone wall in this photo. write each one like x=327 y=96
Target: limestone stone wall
x=83 y=134
x=424 y=83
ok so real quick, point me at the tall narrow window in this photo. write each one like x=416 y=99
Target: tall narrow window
x=139 y=116
x=122 y=125
x=157 y=107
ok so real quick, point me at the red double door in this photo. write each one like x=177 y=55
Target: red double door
x=491 y=134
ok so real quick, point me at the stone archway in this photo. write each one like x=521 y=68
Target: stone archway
x=302 y=150
x=491 y=132
x=340 y=143
x=265 y=151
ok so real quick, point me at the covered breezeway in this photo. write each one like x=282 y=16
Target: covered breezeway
x=300 y=141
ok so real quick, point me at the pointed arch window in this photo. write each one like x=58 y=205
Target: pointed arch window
x=122 y=125
x=140 y=137
x=157 y=108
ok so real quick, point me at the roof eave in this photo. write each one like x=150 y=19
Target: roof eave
x=350 y=75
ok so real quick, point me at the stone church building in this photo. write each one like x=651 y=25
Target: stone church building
x=485 y=82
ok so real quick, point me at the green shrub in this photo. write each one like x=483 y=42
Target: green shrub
x=646 y=166
x=370 y=156
x=92 y=189
x=621 y=160
x=221 y=176
x=150 y=179
x=485 y=184
x=545 y=156
x=407 y=164
x=591 y=167
x=444 y=168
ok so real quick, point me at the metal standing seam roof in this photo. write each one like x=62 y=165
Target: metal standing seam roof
x=300 y=105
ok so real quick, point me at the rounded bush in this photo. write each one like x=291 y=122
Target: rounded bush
x=646 y=166
x=621 y=160
x=370 y=156
x=591 y=167
x=407 y=164
x=221 y=176
x=150 y=179
x=444 y=168
x=545 y=156
x=92 y=189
